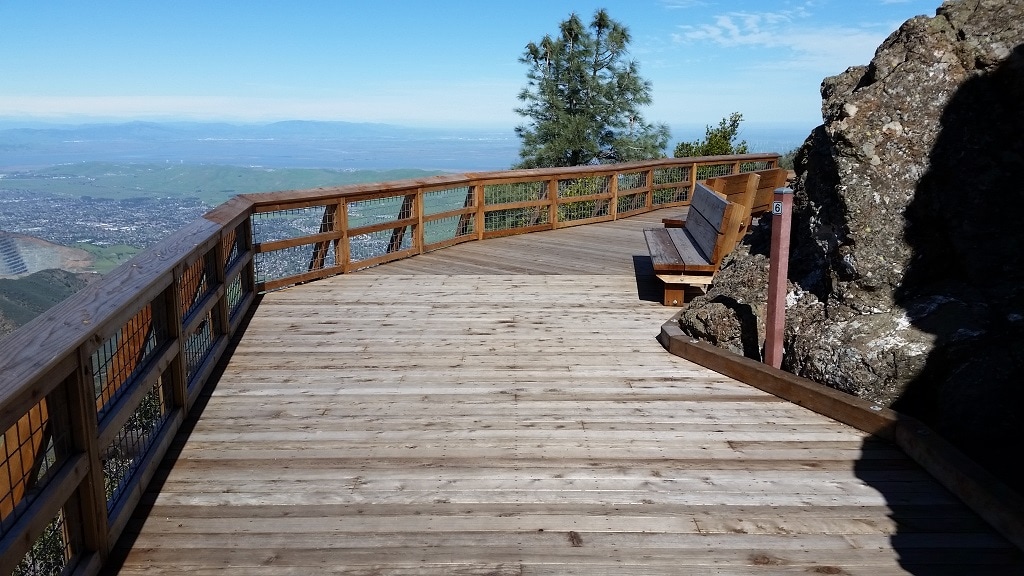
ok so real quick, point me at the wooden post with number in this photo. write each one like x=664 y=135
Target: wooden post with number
x=775 y=323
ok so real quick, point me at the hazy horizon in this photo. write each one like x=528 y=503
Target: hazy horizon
x=301 y=144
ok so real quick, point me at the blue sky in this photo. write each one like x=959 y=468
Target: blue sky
x=416 y=62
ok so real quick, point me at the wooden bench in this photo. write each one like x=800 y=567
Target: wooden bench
x=756 y=195
x=765 y=193
x=688 y=257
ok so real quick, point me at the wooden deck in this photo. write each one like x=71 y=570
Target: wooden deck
x=503 y=407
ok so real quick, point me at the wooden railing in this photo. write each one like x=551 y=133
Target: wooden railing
x=93 y=391
x=305 y=235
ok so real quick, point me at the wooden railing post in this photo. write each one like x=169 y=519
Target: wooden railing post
x=83 y=428
x=169 y=305
x=649 y=201
x=344 y=254
x=419 y=239
x=613 y=188
x=775 y=321
x=552 y=187
x=481 y=220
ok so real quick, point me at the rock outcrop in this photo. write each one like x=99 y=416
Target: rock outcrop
x=907 y=258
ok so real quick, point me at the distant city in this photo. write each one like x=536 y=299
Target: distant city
x=100 y=222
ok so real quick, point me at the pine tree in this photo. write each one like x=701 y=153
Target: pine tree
x=583 y=99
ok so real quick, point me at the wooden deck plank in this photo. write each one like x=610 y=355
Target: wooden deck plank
x=515 y=414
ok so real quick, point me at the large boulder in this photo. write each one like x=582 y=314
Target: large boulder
x=907 y=261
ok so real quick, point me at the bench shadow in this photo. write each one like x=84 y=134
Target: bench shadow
x=648 y=287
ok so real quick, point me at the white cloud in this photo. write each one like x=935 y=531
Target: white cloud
x=802 y=44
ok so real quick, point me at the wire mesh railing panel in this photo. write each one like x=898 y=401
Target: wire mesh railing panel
x=377 y=211
x=197 y=345
x=714 y=170
x=631 y=202
x=672 y=175
x=755 y=166
x=123 y=357
x=670 y=195
x=291 y=223
x=583 y=186
x=631 y=181
x=437 y=201
x=584 y=209
x=231 y=247
x=286 y=262
x=52 y=551
x=235 y=294
x=31 y=450
x=513 y=218
x=442 y=229
x=496 y=194
x=375 y=244
x=121 y=459
x=195 y=282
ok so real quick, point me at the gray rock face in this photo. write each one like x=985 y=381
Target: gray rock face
x=907 y=261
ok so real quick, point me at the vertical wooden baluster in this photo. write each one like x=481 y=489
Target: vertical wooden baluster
x=342 y=251
x=552 y=194
x=693 y=180
x=479 y=193
x=418 y=233
x=649 y=197
x=221 y=312
x=613 y=188
x=81 y=420
x=170 y=306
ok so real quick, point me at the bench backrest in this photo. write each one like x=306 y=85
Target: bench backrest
x=770 y=180
x=738 y=188
x=714 y=223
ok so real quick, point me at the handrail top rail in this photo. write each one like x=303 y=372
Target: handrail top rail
x=264 y=200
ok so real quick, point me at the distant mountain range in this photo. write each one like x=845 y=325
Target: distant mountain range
x=171 y=131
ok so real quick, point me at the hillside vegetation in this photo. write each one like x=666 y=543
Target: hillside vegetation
x=25 y=298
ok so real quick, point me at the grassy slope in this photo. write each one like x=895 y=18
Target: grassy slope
x=25 y=298
x=108 y=257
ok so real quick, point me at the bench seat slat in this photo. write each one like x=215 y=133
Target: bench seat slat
x=686 y=246
x=663 y=251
